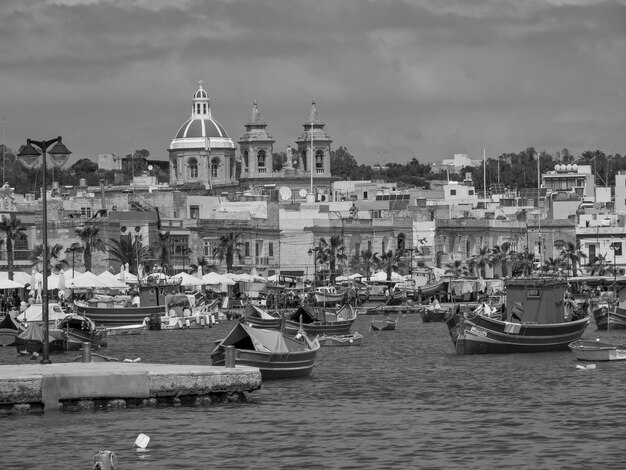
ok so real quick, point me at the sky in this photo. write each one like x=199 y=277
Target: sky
x=392 y=79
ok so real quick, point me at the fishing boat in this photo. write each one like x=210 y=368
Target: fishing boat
x=589 y=350
x=122 y=310
x=609 y=317
x=9 y=329
x=78 y=330
x=126 y=330
x=353 y=339
x=538 y=322
x=328 y=295
x=276 y=354
x=184 y=313
x=260 y=318
x=318 y=321
x=30 y=341
x=384 y=324
x=434 y=313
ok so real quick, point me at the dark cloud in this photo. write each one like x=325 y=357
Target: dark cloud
x=423 y=78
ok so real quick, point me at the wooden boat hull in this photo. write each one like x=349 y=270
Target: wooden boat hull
x=482 y=335
x=333 y=328
x=608 y=317
x=269 y=324
x=125 y=330
x=339 y=341
x=587 y=350
x=276 y=355
x=329 y=299
x=434 y=315
x=112 y=316
x=383 y=325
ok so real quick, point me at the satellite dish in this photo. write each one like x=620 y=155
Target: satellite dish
x=302 y=192
x=150 y=167
x=285 y=193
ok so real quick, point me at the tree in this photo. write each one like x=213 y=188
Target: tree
x=523 y=263
x=342 y=164
x=389 y=262
x=601 y=266
x=90 y=238
x=230 y=246
x=457 y=268
x=14 y=231
x=480 y=261
x=573 y=255
x=365 y=262
x=161 y=248
x=331 y=252
x=55 y=257
x=128 y=250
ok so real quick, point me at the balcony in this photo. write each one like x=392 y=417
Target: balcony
x=262 y=260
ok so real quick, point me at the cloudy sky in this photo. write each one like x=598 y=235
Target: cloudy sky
x=393 y=79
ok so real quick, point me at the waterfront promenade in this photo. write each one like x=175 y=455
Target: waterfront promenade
x=71 y=385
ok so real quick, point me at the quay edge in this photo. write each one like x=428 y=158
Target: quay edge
x=45 y=387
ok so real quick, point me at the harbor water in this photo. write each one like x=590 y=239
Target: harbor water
x=402 y=399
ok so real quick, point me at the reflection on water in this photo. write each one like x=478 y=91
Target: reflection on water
x=402 y=399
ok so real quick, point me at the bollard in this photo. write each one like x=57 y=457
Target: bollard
x=86 y=351
x=229 y=360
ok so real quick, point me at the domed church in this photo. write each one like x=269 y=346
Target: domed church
x=201 y=154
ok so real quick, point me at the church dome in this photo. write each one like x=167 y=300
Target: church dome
x=201 y=130
x=198 y=127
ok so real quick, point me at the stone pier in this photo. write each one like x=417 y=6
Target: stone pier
x=107 y=385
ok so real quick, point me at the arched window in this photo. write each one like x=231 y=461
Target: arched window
x=319 y=159
x=261 y=159
x=193 y=168
x=245 y=160
x=401 y=242
x=203 y=108
x=304 y=161
x=215 y=163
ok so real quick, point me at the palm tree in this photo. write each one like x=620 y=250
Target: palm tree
x=601 y=266
x=128 y=250
x=332 y=251
x=552 y=266
x=523 y=263
x=229 y=247
x=202 y=263
x=90 y=238
x=572 y=254
x=480 y=261
x=389 y=262
x=502 y=254
x=13 y=231
x=456 y=268
x=161 y=248
x=365 y=261
x=55 y=257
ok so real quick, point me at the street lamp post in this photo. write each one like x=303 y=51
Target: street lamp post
x=313 y=251
x=29 y=156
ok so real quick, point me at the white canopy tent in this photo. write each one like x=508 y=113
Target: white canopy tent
x=214 y=279
x=112 y=281
x=189 y=280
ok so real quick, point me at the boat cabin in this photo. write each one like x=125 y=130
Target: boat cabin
x=536 y=300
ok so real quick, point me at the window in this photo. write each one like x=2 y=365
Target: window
x=209 y=246
x=245 y=160
x=85 y=211
x=215 y=163
x=369 y=246
x=471 y=192
x=246 y=249
x=453 y=192
x=319 y=159
x=364 y=194
x=258 y=248
x=204 y=108
x=194 y=212
x=357 y=248
x=270 y=250
x=617 y=248
x=193 y=168
x=261 y=159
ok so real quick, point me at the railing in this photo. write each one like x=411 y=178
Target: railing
x=261 y=170
x=262 y=260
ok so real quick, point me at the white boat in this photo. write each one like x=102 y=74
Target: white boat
x=589 y=350
x=126 y=330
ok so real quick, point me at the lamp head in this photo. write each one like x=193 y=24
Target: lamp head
x=59 y=153
x=29 y=155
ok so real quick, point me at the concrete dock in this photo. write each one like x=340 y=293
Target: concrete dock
x=107 y=385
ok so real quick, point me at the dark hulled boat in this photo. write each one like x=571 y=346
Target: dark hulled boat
x=260 y=318
x=317 y=321
x=537 y=307
x=609 y=317
x=276 y=354
x=9 y=329
x=384 y=324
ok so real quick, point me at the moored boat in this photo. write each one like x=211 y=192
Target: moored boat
x=317 y=321
x=434 y=313
x=126 y=330
x=384 y=324
x=328 y=295
x=80 y=329
x=261 y=318
x=609 y=317
x=9 y=329
x=276 y=354
x=353 y=339
x=589 y=350
x=539 y=322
